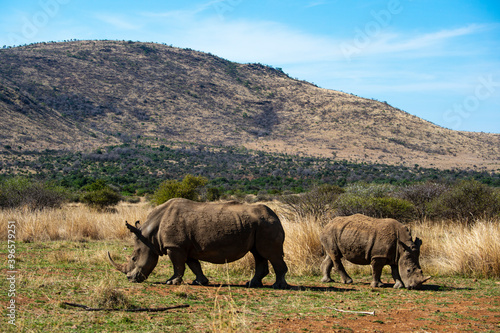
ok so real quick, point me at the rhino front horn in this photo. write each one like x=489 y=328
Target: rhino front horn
x=120 y=268
x=427 y=278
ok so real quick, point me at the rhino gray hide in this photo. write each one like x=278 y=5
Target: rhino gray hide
x=190 y=231
x=364 y=240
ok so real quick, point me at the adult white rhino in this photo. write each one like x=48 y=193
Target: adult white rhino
x=366 y=240
x=189 y=231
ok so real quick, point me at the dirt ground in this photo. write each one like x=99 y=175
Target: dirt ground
x=473 y=315
x=427 y=310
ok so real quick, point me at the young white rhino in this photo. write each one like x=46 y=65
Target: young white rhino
x=190 y=231
x=364 y=240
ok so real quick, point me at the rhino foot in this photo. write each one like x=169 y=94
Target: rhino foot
x=398 y=285
x=347 y=281
x=253 y=284
x=203 y=282
x=327 y=279
x=377 y=284
x=176 y=281
x=281 y=285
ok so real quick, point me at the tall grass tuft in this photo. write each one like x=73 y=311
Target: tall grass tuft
x=106 y=296
x=451 y=248
x=227 y=315
x=303 y=249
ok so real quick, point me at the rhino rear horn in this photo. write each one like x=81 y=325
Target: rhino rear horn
x=120 y=268
x=427 y=278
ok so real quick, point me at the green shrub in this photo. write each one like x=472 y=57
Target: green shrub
x=188 y=188
x=368 y=190
x=35 y=195
x=99 y=195
x=467 y=201
x=381 y=207
x=213 y=194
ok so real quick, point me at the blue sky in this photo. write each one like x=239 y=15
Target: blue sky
x=438 y=60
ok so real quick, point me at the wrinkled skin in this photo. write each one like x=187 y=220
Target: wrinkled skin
x=364 y=240
x=190 y=231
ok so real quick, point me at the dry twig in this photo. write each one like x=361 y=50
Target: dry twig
x=349 y=311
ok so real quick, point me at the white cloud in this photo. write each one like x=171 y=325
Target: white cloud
x=117 y=21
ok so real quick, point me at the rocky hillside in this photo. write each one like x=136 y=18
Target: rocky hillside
x=85 y=94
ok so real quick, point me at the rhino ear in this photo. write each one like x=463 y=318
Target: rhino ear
x=133 y=229
x=418 y=242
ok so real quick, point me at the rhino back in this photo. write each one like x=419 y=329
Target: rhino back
x=216 y=232
x=360 y=238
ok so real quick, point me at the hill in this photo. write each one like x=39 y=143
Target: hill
x=82 y=95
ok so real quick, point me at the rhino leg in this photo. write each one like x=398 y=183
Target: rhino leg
x=339 y=267
x=377 y=266
x=261 y=270
x=195 y=266
x=397 y=278
x=326 y=269
x=179 y=262
x=280 y=269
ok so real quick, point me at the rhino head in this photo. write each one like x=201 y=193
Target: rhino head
x=409 y=266
x=143 y=259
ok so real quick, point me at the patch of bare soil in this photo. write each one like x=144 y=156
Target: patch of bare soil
x=474 y=315
x=428 y=310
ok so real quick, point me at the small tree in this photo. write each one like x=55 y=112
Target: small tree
x=188 y=188
x=99 y=195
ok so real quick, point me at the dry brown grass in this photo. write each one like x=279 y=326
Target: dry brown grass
x=448 y=248
x=71 y=222
x=452 y=248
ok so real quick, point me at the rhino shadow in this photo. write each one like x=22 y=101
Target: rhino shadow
x=290 y=287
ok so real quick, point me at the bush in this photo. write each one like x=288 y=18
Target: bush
x=99 y=195
x=213 y=194
x=315 y=203
x=380 y=207
x=421 y=196
x=188 y=188
x=367 y=190
x=20 y=191
x=467 y=201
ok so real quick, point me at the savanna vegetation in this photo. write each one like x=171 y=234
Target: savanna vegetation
x=137 y=169
x=61 y=258
x=64 y=230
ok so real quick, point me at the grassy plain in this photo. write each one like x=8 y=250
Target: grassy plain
x=61 y=257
